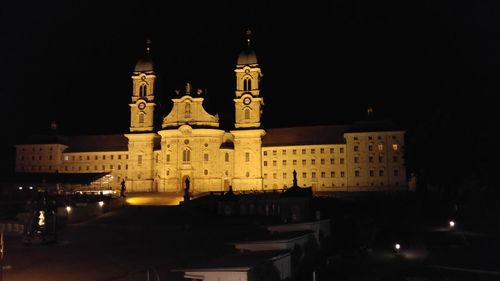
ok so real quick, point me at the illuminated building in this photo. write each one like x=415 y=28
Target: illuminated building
x=190 y=145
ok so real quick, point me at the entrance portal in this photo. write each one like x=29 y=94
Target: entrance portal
x=186 y=183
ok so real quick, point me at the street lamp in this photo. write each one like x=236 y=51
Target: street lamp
x=68 y=209
x=397 y=248
x=101 y=203
x=452 y=224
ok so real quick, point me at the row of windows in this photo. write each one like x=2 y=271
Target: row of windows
x=96 y=157
x=39 y=149
x=303 y=151
x=378 y=137
x=304 y=162
x=79 y=168
x=380 y=147
x=186 y=157
x=357 y=173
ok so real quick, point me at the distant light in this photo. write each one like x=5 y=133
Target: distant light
x=452 y=224
x=397 y=246
x=41 y=218
x=101 y=203
x=68 y=209
x=31 y=187
x=20 y=188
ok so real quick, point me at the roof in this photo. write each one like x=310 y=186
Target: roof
x=305 y=135
x=247 y=57
x=64 y=178
x=276 y=237
x=241 y=261
x=98 y=143
x=144 y=65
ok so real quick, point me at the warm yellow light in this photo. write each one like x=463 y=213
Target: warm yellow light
x=68 y=209
x=41 y=218
x=154 y=201
x=101 y=203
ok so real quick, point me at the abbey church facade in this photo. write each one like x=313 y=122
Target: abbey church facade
x=190 y=146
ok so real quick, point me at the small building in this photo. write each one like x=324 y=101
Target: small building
x=321 y=228
x=277 y=241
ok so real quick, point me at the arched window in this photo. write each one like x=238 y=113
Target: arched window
x=142 y=90
x=186 y=155
x=247 y=84
x=141 y=119
x=247 y=113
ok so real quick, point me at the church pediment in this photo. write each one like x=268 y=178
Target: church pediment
x=188 y=110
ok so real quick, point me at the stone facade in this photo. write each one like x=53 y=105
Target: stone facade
x=190 y=145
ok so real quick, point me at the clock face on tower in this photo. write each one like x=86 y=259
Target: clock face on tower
x=142 y=106
x=246 y=101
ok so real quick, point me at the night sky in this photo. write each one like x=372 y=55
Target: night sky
x=323 y=63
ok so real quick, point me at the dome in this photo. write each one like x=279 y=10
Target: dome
x=246 y=57
x=144 y=65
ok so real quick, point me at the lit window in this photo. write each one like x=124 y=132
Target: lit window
x=380 y=147
x=66 y=157
x=395 y=147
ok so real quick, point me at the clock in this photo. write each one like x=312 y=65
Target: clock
x=142 y=106
x=246 y=101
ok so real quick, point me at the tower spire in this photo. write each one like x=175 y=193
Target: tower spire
x=249 y=34
x=148 y=45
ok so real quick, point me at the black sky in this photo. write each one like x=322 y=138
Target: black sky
x=323 y=63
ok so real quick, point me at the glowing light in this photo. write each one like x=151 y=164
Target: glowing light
x=20 y=188
x=68 y=209
x=41 y=218
x=154 y=200
x=397 y=246
x=31 y=187
x=452 y=224
x=101 y=203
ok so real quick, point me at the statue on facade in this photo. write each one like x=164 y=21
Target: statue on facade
x=294 y=178
x=122 y=189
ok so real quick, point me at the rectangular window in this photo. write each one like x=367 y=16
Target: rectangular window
x=284 y=162
x=275 y=152
x=168 y=158
x=381 y=173
x=104 y=157
x=370 y=147
x=372 y=173
x=65 y=168
x=313 y=161
x=341 y=160
x=119 y=167
x=275 y=176
x=126 y=156
x=50 y=157
x=139 y=160
x=303 y=151
x=95 y=157
x=284 y=176
x=341 y=150
x=342 y=174
x=247 y=156
x=80 y=158
x=323 y=174
x=119 y=157
x=95 y=168
x=355 y=138
x=356 y=173
x=103 y=167
x=313 y=151
x=265 y=152
x=283 y=152
x=205 y=157
x=313 y=175
x=88 y=168
x=294 y=152
x=332 y=161
x=322 y=150
x=265 y=175
x=356 y=148
x=304 y=175
x=370 y=137
x=295 y=162
x=322 y=161
x=126 y=165
x=332 y=174
x=356 y=159
x=370 y=159
x=332 y=150
x=275 y=163
x=394 y=159
x=112 y=157
x=303 y=162
x=66 y=157
x=380 y=159
x=380 y=147
x=265 y=163
x=73 y=158
x=111 y=167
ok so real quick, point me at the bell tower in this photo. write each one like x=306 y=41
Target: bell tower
x=141 y=137
x=248 y=102
x=142 y=105
x=248 y=133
